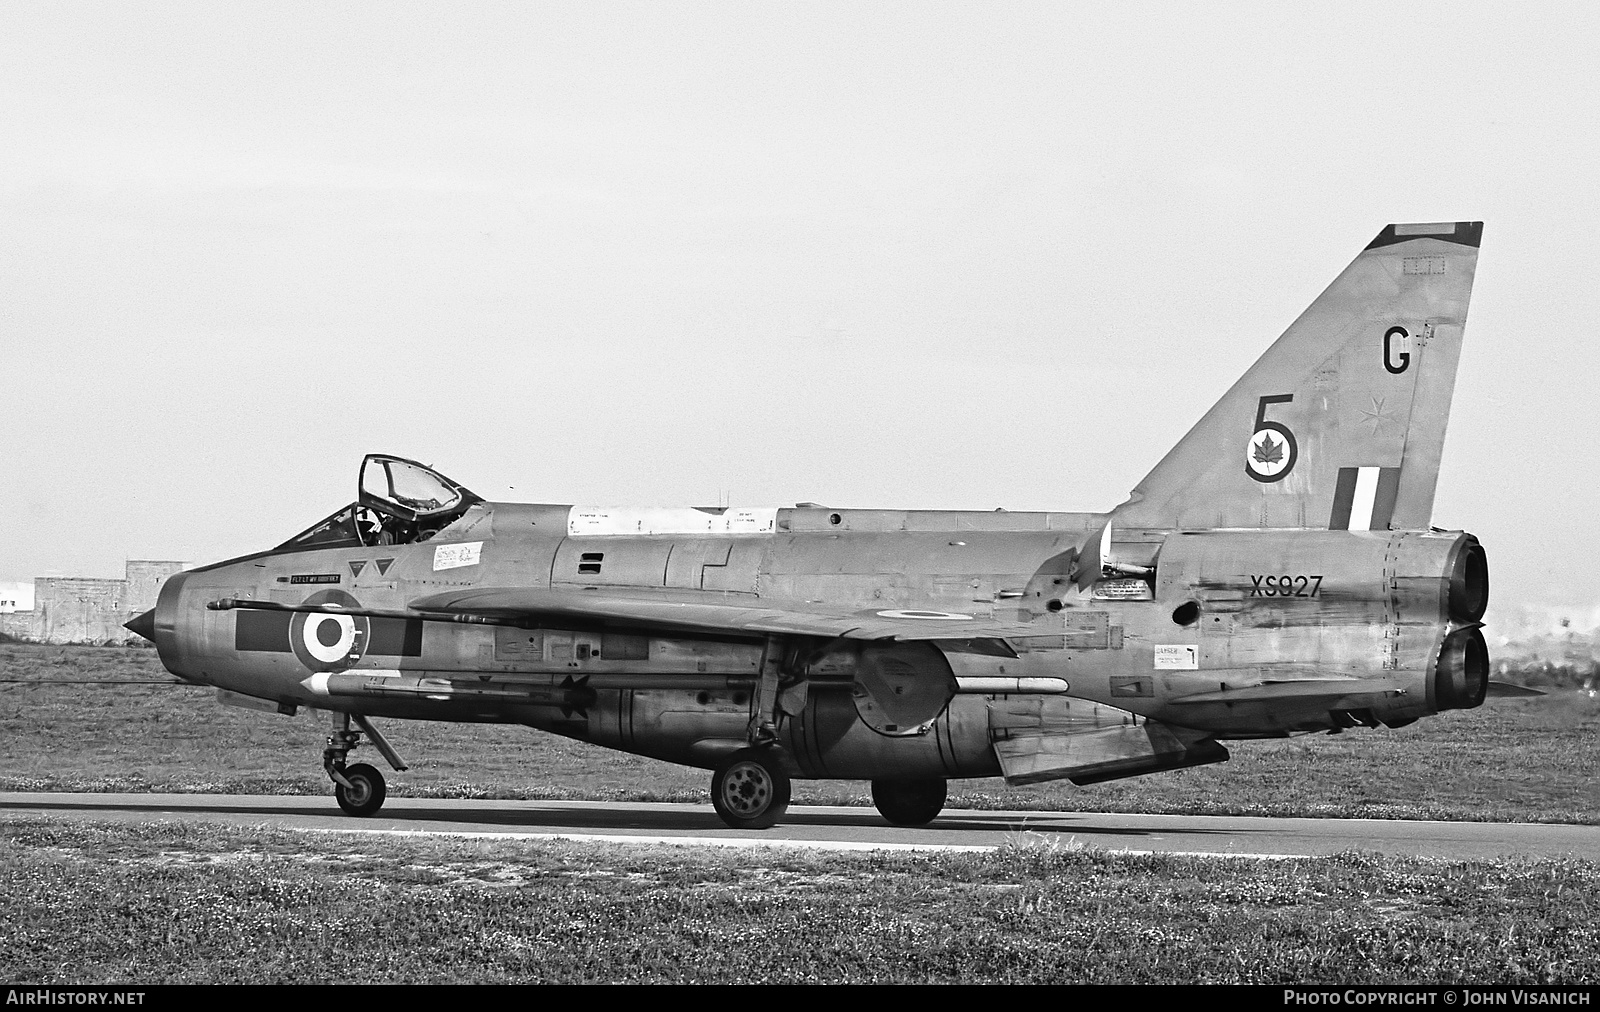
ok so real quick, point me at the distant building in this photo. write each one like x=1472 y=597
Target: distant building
x=144 y=583
x=15 y=597
x=72 y=609
x=16 y=610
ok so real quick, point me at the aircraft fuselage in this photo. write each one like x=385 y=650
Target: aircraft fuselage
x=1218 y=637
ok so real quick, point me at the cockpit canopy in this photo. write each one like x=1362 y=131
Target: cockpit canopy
x=400 y=502
x=406 y=489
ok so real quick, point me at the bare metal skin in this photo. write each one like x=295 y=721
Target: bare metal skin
x=1276 y=573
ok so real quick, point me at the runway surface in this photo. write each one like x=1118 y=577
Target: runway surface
x=837 y=828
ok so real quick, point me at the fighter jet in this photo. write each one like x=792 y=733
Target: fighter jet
x=1275 y=574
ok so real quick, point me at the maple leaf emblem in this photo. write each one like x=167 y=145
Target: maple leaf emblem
x=1268 y=452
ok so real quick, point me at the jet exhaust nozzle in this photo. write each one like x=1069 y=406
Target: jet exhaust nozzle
x=1461 y=672
x=1469 y=582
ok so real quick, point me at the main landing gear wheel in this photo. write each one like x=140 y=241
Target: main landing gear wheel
x=909 y=802
x=750 y=789
x=366 y=791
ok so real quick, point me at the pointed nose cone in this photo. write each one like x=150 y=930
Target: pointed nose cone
x=144 y=625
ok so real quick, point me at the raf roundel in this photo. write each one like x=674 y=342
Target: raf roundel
x=328 y=642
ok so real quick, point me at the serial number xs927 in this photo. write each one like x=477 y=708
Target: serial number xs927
x=1285 y=586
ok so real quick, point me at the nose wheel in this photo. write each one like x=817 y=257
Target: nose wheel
x=365 y=792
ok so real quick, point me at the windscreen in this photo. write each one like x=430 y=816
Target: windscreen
x=343 y=529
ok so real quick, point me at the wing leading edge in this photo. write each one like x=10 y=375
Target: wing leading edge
x=728 y=615
x=536 y=606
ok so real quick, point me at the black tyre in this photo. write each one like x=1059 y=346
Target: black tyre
x=909 y=802
x=750 y=789
x=366 y=791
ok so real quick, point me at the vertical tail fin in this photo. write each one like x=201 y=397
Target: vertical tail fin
x=1341 y=423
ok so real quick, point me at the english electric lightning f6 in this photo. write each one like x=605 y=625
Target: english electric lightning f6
x=1276 y=573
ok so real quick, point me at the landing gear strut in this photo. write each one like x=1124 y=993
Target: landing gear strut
x=359 y=789
x=750 y=789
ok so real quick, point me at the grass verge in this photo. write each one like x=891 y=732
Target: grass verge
x=182 y=902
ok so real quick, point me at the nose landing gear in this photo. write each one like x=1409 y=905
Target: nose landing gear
x=359 y=789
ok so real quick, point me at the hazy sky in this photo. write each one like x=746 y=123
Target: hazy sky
x=863 y=254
